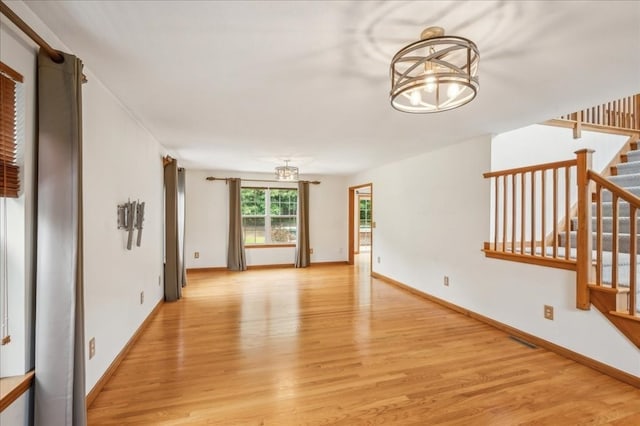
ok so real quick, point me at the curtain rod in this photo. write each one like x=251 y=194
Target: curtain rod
x=313 y=182
x=53 y=54
x=25 y=28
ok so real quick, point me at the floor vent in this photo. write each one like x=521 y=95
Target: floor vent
x=523 y=342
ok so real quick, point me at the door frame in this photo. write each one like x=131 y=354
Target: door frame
x=351 y=248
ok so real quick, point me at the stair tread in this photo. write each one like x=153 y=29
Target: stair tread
x=632 y=177
x=625 y=315
x=608 y=219
x=611 y=202
x=608 y=289
x=609 y=234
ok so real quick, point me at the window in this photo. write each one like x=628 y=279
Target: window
x=10 y=210
x=269 y=215
x=9 y=181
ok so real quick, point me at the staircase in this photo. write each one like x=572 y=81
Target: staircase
x=626 y=175
x=565 y=215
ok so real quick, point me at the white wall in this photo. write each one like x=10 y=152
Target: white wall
x=121 y=161
x=207 y=221
x=436 y=226
x=537 y=144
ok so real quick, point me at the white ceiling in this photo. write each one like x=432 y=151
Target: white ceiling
x=243 y=85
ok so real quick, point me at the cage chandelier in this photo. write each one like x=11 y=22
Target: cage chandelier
x=436 y=73
x=286 y=172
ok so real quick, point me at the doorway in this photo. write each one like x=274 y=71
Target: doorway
x=361 y=224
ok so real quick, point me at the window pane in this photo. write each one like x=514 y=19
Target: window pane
x=253 y=228
x=365 y=213
x=284 y=202
x=283 y=229
x=253 y=201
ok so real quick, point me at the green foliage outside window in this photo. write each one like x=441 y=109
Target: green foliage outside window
x=252 y=201
x=365 y=213
x=284 y=202
x=269 y=216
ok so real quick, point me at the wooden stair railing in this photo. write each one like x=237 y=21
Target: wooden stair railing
x=613 y=293
x=531 y=206
x=626 y=282
x=525 y=196
x=621 y=115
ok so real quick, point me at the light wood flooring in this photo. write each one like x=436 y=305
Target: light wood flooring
x=329 y=345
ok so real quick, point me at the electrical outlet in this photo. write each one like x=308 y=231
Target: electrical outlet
x=141 y=297
x=310 y=251
x=92 y=347
x=548 y=312
x=196 y=255
x=446 y=281
x=159 y=281
x=378 y=259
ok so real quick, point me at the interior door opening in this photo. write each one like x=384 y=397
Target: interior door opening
x=361 y=224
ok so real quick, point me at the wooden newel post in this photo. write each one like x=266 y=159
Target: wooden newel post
x=577 y=129
x=584 y=249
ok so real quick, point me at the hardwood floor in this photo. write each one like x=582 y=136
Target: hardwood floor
x=330 y=345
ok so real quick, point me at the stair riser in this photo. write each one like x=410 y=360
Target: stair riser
x=626 y=180
x=623 y=242
x=607 y=209
x=608 y=197
x=624 y=225
x=622 y=299
x=633 y=156
x=627 y=168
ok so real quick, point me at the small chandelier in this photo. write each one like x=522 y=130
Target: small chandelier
x=286 y=172
x=436 y=73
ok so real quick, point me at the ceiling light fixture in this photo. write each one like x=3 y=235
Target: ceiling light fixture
x=286 y=172
x=436 y=73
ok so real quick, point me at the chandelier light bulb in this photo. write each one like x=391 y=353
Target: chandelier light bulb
x=430 y=81
x=415 y=98
x=453 y=90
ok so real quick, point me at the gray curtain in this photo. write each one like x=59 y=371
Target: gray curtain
x=182 y=277
x=236 y=260
x=59 y=349
x=303 y=257
x=172 y=275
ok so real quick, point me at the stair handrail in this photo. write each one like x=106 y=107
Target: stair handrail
x=526 y=169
